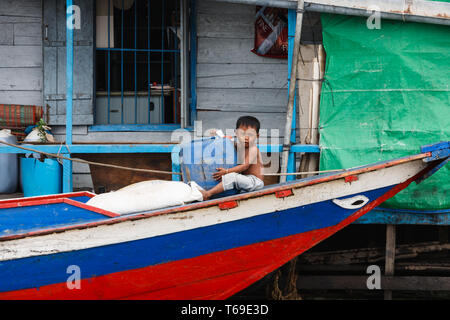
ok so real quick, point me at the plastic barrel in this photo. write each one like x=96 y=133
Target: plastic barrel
x=200 y=158
x=40 y=178
x=9 y=166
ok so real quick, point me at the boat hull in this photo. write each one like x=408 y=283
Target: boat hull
x=209 y=250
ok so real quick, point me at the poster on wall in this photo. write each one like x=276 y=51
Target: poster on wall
x=271 y=32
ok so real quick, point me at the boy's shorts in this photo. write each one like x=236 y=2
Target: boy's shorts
x=243 y=183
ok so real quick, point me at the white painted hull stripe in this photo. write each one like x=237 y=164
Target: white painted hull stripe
x=129 y=230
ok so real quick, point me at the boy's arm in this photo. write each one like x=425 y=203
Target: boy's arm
x=250 y=158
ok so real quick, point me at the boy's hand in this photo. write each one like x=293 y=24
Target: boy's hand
x=220 y=172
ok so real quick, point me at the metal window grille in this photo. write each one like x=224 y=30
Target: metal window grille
x=141 y=48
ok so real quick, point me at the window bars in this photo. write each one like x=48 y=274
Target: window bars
x=137 y=19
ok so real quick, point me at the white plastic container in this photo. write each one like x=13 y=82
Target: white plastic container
x=9 y=165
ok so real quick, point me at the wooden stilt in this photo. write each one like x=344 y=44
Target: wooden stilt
x=291 y=287
x=292 y=86
x=390 y=256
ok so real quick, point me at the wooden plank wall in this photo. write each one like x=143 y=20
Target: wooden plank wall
x=231 y=80
x=54 y=57
x=20 y=52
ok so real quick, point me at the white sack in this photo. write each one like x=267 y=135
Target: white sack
x=34 y=136
x=146 y=196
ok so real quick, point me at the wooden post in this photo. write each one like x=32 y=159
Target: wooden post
x=390 y=256
x=292 y=85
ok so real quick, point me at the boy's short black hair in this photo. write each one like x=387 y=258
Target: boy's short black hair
x=248 y=121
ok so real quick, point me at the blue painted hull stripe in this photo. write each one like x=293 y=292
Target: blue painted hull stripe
x=49 y=269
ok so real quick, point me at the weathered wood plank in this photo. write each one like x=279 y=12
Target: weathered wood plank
x=14 y=19
x=239 y=108
x=117 y=137
x=264 y=100
x=362 y=268
x=83 y=70
x=80 y=107
x=75 y=130
x=370 y=255
x=262 y=76
x=50 y=73
x=86 y=33
x=49 y=19
x=6 y=34
x=227 y=120
x=82 y=119
x=27 y=41
x=20 y=8
x=28 y=34
x=20 y=56
x=221 y=50
x=213 y=7
x=29 y=79
x=21 y=97
x=225 y=25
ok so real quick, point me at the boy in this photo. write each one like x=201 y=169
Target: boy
x=246 y=176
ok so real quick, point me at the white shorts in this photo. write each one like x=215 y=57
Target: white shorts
x=243 y=183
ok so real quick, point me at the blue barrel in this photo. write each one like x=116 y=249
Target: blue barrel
x=9 y=165
x=200 y=158
x=40 y=178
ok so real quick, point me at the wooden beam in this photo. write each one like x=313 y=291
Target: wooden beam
x=134 y=148
x=370 y=255
x=391 y=283
x=361 y=268
x=435 y=12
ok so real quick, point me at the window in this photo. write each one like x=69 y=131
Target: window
x=138 y=62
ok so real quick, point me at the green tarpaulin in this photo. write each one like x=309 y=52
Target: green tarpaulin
x=386 y=93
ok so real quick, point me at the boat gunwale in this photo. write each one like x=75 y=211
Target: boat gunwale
x=58 y=198
x=29 y=201
x=215 y=202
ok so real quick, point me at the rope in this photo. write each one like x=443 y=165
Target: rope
x=145 y=170
x=90 y=162
x=306 y=172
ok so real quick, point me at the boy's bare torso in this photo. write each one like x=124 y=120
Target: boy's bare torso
x=251 y=154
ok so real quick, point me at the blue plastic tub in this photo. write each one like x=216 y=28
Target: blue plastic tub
x=40 y=178
x=9 y=166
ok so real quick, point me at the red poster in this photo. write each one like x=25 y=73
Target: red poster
x=271 y=32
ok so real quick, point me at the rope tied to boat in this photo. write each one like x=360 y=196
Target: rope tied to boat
x=58 y=156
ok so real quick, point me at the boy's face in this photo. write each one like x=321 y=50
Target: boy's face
x=246 y=135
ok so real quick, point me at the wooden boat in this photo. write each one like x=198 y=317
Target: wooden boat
x=57 y=247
